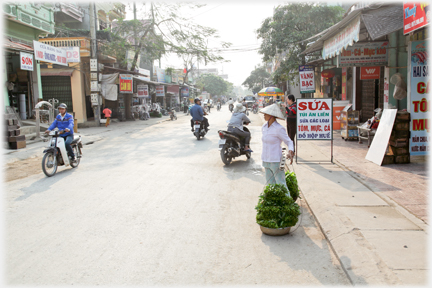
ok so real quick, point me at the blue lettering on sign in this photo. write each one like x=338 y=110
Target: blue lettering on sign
x=410 y=12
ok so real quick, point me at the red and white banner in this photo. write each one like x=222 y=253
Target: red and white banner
x=314 y=119
x=307 y=79
x=368 y=73
x=142 y=91
x=73 y=54
x=345 y=38
x=416 y=15
x=26 y=61
x=51 y=54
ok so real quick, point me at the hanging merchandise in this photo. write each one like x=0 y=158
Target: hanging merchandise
x=400 y=91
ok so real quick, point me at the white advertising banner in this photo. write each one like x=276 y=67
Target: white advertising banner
x=26 y=61
x=47 y=53
x=307 y=79
x=364 y=54
x=314 y=119
x=160 y=90
x=342 y=40
x=73 y=54
x=142 y=91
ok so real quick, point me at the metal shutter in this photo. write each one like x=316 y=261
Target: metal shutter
x=58 y=87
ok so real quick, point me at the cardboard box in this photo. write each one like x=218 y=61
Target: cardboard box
x=16 y=138
x=398 y=151
x=401 y=125
x=17 y=145
x=388 y=159
x=402 y=159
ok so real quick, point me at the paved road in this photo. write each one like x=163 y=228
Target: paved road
x=155 y=206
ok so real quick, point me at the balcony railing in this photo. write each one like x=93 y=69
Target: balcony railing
x=82 y=42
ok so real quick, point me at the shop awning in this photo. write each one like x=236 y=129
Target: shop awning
x=8 y=44
x=148 y=81
x=56 y=72
x=383 y=21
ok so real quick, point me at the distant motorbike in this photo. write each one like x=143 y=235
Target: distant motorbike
x=199 y=130
x=232 y=146
x=231 y=107
x=189 y=108
x=56 y=154
x=172 y=114
x=255 y=109
x=218 y=107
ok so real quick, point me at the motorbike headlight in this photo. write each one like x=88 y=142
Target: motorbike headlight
x=53 y=141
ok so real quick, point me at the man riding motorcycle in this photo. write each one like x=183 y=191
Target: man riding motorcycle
x=64 y=121
x=230 y=104
x=235 y=125
x=197 y=114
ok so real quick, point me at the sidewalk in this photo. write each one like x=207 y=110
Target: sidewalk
x=90 y=135
x=377 y=241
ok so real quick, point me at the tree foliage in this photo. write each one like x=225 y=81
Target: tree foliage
x=215 y=85
x=256 y=79
x=284 y=33
x=165 y=31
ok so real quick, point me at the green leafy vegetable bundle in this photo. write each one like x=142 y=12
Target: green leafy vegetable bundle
x=275 y=209
x=291 y=182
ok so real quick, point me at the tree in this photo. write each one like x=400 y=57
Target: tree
x=165 y=31
x=284 y=33
x=256 y=79
x=213 y=84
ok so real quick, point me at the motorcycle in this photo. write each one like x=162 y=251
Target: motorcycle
x=172 y=114
x=255 y=109
x=189 y=108
x=199 y=130
x=218 y=107
x=231 y=107
x=232 y=146
x=56 y=154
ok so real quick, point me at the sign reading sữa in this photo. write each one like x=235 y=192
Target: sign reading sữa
x=314 y=119
x=307 y=79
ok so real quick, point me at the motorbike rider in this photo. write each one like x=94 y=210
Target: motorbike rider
x=197 y=114
x=230 y=104
x=64 y=122
x=235 y=124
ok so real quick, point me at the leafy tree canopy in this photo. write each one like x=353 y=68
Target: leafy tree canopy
x=283 y=33
x=257 y=79
x=213 y=84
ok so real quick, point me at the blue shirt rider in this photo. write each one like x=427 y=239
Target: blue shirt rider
x=197 y=114
x=64 y=122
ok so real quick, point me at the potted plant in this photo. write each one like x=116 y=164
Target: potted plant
x=291 y=182
x=276 y=211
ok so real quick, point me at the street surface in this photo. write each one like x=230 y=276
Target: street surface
x=152 y=205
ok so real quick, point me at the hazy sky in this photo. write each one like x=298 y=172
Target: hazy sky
x=236 y=22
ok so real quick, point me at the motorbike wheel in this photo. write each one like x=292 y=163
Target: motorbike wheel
x=248 y=155
x=224 y=156
x=77 y=156
x=49 y=164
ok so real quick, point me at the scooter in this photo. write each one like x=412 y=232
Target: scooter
x=255 y=109
x=172 y=114
x=56 y=154
x=231 y=107
x=232 y=146
x=199 y=130
x=218 y=107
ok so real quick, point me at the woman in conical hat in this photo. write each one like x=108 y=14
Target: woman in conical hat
x=272 y=136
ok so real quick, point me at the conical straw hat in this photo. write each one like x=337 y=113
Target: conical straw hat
x=273 y=110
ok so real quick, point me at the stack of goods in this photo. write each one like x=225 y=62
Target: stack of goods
x=399 y=140
x=15 y=140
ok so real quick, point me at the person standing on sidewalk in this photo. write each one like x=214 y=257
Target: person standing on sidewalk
x=107 y=113
x=272 y=136
x=291 y=120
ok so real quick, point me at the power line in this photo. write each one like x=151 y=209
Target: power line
x=206 y=11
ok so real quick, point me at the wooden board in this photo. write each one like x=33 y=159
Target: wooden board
x=380 y=141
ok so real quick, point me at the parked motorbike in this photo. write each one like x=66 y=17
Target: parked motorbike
x=232 y=146
x=56 y=153
x=172 y=114
x=199 y=130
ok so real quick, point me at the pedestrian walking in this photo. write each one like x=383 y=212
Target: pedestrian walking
x=272 y=136
x=186 y=105
x=107 y=113
x=291 y=120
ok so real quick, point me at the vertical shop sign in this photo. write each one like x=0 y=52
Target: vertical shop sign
x=185 y=92
x=126 y=84
x=307 y=79
x=419 y=141
x=344 y=82
x=314 y=119
x=142 y=91
x=160 y=90
x=415 y=15
x=26 y=61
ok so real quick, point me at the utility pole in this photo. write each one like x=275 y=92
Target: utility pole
x=95 y=90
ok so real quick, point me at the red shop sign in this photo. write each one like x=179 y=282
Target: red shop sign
x=328 y=73
x=415 y=15
x=368 y=73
